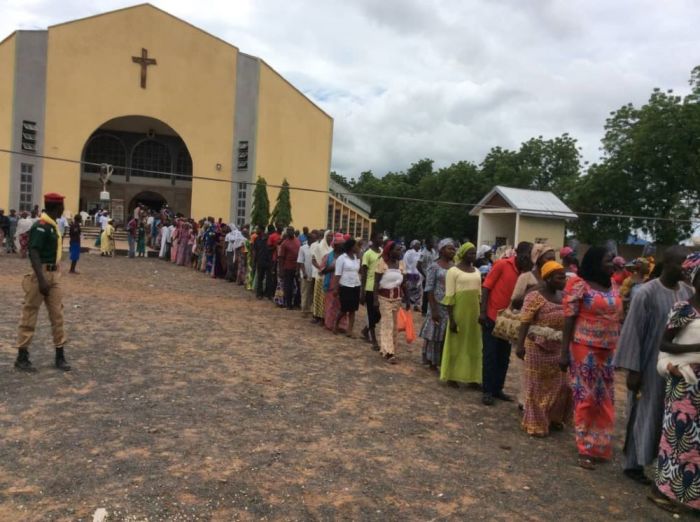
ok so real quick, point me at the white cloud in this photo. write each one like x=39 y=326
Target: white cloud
x=407 y=79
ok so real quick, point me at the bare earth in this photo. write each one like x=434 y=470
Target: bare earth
x=191 y=400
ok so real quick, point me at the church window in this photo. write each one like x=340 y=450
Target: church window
x=242 y=163
x=183 y=165
x=240 y=204
x=26 y=187
x=29 y=130
x=151 y=159
x=105 y=148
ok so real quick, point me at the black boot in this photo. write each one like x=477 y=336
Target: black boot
x=61 y=363
x=23 y=363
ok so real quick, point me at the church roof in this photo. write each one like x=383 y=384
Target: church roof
x=145 y=6
x=538 y=203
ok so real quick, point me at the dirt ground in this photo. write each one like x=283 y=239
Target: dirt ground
x=191 y=400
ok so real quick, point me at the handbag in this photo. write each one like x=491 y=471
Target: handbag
x=404 y=323
x=507 y=326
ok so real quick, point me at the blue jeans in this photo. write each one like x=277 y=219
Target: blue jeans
x=496 y=361
x=132 y=245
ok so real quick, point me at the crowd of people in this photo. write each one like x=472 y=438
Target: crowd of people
x=571 y=323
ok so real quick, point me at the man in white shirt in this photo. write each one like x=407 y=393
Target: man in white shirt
x=62 y=223
x=308 y=273
x=104 y=219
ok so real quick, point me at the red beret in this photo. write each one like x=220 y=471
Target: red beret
x=53 y=197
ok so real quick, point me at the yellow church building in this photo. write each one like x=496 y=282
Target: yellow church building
x=183 y=117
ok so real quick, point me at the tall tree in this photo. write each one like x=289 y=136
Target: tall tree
x=260 y=215
x=282 y=213
x=650 y=167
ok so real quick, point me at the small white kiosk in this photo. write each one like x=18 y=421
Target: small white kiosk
x=508 y=216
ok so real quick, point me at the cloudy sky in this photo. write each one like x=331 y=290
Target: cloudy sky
x=444 y=79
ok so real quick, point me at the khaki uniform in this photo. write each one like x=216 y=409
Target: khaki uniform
x=44 y=239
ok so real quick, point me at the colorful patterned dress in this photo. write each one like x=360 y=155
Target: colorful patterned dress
x=462 y=351
x=678 y=468
x=432 y=332
x=547 y=394
x=598 y=315
x=331 y=301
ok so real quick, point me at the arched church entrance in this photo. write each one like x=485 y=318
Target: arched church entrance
x=151 y=166
x=149 y=199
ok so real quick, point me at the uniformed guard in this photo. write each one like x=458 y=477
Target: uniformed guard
x=43 y=284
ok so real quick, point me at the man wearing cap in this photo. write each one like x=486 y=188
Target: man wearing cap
x=43 y=284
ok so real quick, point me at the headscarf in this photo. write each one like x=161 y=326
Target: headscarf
x=235 y=236
x=692 y=265
x=323 y=246
x=388 y=245
x=338 y=239
x=550 y=267
x=414 y=243
x=591 y=266
x=538 y=250
x=565 y=252
x=482 y=251
x=619 y=262
x=466 y=247
x=445 y=243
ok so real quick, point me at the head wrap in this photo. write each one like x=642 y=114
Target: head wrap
x=338 y=239
x=466 y=247
x=415 y=243
x=538 y=250
x=388 y=245
x=692 y=265
x=565 y=252
x=444 y=243
x=482 y=251
x=549 y=267
x=619 y=261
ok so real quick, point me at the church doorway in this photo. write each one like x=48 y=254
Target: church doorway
x=151 y=163
x=149 y=199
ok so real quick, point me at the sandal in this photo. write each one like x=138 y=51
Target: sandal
x=586 y=463
x=391 y=359
x=664 y=503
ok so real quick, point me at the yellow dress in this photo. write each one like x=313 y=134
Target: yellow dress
x=106 y=243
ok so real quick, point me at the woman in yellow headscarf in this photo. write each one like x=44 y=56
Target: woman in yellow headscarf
x=547 y=400
x=461 y=355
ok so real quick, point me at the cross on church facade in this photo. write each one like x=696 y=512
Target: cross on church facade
x=144 y=61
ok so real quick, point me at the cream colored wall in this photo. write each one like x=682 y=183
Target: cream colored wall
x=293 y=141
x=531 y=228
x=493 y=225
x=7 y=83
x=92 y=79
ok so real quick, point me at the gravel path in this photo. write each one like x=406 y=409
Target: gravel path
x=191 y=400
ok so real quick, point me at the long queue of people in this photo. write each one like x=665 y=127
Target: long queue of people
x=571 y=325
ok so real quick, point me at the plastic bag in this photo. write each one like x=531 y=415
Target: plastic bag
x=404 y=322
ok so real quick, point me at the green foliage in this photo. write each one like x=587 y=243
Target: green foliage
x=342 y=180
x=539 y=164
x=260 y=214
x=650 y=167
x=282 y=213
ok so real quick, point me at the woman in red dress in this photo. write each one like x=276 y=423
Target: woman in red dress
x=593 y=311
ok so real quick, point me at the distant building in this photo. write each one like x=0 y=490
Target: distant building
x=185 y=118
x=508 y=216
x=348 y=212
